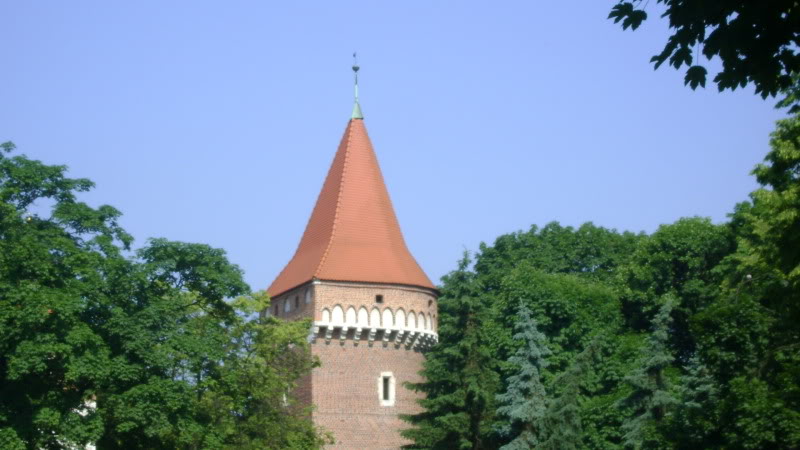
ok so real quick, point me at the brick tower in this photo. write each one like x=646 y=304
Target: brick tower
x=374 y=309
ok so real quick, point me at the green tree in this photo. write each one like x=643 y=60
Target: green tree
x=770 y=230
x=561 y=424
x=129 y=351
x=791 y=96
x=460 y=374
x=250 y=402
x=569 y=310
x=588 y=251
x=649 y=397
x=748 y=336
x=724 y=295
x=678 y=259
x=568 y=278
x=522 y=406
x=696 y=420
x=755 y=41
x=53 y=293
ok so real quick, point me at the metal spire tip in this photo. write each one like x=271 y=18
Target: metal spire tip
x=356 y=107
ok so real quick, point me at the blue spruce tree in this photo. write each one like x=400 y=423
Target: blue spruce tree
x=697 y=419
x=561 y=426
x=523 y=404
x=649 y=398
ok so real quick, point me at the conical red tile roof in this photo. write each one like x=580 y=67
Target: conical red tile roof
x=353 y=233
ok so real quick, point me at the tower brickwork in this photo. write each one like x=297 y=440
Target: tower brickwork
x=374 y=310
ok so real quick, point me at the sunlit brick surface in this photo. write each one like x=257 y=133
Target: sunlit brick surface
x=345 y=390
x=347 y=397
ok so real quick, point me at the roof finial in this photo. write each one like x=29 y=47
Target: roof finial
x=356 y=108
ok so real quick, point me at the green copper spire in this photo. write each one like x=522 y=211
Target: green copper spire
x=356 y=108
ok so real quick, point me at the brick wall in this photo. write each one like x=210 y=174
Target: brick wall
x=347 y=396
x=310 y=299
x=346 y=390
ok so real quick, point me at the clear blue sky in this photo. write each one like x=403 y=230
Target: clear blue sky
x=216 y=122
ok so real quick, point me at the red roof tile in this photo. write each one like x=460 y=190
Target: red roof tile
x=353 y=233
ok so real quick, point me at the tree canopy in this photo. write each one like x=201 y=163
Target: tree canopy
x=460 y=383
x=157 y=348
x=684 y=338
x=757 y=42
x=523 y=404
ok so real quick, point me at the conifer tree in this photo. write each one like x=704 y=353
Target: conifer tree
x=523 y=404
x=561 y=425
x=460 y=373
x=649 y=398
x=697 y=417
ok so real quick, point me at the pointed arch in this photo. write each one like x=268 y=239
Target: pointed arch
x=412 y=320
x=337 y=315
x=388 y=318
x=400 y=318
x=421 y=321
x=430 y=322
x=375 y=318
x=363 y=317
x=326 y=315
x=350 y=316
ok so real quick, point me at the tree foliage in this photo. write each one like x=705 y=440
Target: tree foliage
x=696 y=419
x=589 y=251
x=748 y=337
x=649 y=398
x=523 y=404
x=131 y=350
x=461 y=380
x=678 y=259
x=561 y=426
x=757 y=42
x=684 y=338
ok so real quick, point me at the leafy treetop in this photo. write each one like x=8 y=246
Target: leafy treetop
x=757 y=42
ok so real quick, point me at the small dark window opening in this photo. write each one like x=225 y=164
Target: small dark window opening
x=386 y=388
x=296 y=301
x=378 y=299
x=276 y=310
x=430 y=302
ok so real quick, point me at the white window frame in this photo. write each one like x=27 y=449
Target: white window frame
x=392 y=390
